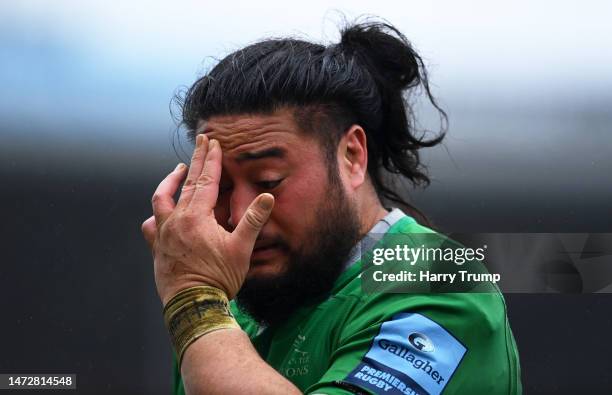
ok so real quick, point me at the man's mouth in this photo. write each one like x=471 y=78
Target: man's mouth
x=264 y=251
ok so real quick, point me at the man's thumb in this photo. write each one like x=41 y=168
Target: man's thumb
x=254 y=219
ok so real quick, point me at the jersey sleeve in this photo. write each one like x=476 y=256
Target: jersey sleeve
x=422 y=345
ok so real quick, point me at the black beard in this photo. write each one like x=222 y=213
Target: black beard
x=311 y=271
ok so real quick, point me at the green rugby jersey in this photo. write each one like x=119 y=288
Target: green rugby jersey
x=392 y=343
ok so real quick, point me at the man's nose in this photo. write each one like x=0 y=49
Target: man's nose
x=239 y=203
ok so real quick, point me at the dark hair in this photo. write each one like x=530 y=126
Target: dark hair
x=361 y=80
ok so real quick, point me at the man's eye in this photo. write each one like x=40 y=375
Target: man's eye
x=269 y=184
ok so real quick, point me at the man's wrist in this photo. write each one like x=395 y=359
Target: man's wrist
x=195 y=312
x=169 y=292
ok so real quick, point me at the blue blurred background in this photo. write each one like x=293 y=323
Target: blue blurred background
x=87 y=133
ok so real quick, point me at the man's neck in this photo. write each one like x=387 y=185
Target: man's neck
x=372 y=215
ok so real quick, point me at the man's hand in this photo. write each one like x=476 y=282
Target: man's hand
x=189 y=247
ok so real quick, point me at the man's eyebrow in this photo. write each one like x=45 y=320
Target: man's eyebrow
x=267 y=153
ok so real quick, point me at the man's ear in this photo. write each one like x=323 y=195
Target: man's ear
x=353 y=156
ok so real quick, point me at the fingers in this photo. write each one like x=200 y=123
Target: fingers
x=207 y=185
x=254 y=219
x=149 y=230
x=163 y=201
x=195 y=169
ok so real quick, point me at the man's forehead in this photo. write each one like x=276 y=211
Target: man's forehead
x=240 y=134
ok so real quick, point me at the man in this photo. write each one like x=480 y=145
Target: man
x=293 y=142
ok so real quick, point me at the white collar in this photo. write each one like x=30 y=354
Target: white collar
x=374 y=235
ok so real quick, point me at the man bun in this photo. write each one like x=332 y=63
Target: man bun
x=386 y=51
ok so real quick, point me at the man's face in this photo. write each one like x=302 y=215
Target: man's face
x=301 y=249
x=268 y=154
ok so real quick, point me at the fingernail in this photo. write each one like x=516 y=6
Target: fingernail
x=199 y=139
x=180 y=166
x=212 y=143
x=266 y=201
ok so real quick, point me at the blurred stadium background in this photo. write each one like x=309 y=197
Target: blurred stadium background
x=86 y=135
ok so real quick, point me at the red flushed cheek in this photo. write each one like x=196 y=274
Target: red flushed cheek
x=296 y=205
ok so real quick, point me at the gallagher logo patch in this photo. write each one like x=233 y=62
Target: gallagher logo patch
x=411 y=355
